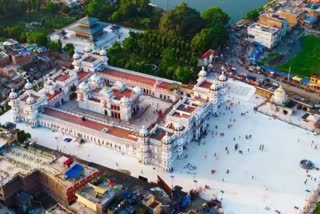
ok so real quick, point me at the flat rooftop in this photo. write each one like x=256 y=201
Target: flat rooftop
x=150 y=112
x=264 y=28
x=23 y=161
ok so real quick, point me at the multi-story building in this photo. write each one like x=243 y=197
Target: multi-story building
x=265 y=35
x=112 y=105
x=31 y=170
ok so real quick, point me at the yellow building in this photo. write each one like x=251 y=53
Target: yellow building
x=315 y=82
x=270 y=21
x=291 y=17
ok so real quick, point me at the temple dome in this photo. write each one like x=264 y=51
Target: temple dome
x=222 y=77
x=30 y=100
x=28 y=85
x=178 y=126
x=95 y=78
x=137 y=90
x=106 y=91
x=166 y=139
x=87 y=49
x=103 y=52
x=214 y=86
x=83 y=86
x=76 y=56
x=143 y=132
x=125 y=100
x=202 y=73
x=280 y=96
x=13 y=95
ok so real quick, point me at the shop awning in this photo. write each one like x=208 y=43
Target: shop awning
x=296 y=78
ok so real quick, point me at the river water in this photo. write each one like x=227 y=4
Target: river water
x=235 y=8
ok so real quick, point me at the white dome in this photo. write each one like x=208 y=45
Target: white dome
x=137 y=90
x=83 y=86
x=214 y=86
x=13 y=95
x=28 y=85
x=76 y=56
x=280 y=96
x=178 y=126
x=222 y=77
x=87 y=49
x=106 y=91
x=103 y=52
x=30 y=100
x=143 y=132
x=120 y=85
x=166 y=139
x=124 y=100
x=95 y=78
x=202 y=73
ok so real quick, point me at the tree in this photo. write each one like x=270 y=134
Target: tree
x=183 y=74
x=38 y=36
x=209 y=38
x=56 y=46
x=51 y=7
x=182 y=21
x=215 y=16
x=99 y=8
x=69 y=49
x=252 y=15
x=22 y=136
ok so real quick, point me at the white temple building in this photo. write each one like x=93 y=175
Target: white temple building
x=111 y=101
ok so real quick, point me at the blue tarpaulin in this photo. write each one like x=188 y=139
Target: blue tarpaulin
x=74 y=171
x=281 y=73
x=310 y=19
x=305 y=81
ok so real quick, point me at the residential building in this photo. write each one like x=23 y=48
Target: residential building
x=265 y=35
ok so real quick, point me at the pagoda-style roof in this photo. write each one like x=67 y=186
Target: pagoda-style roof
x=88 y=25
x=87 y=21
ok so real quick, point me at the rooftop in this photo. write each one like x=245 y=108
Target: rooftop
x=112 y=130
x=206 y=85
x=137 y=78
x=59 y=209
x=90 y=59
x=23 y=161
x=62 y=77
x=264 y=28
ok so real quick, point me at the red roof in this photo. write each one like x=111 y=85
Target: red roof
x=206 y=84
x=137 y=78
x=50 y=96
x=82 y=74
x=32 y=95
x=116 y=131
x=62 y=77
x=119 y=94
x=68 y=161
x=207 y=54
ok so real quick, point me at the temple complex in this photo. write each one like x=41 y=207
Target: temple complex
x=140 y=115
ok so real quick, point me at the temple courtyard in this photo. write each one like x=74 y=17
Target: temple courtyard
x=248 y=159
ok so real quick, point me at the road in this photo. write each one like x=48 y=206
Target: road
x=237 y=51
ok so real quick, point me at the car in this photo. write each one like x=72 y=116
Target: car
x=233 y=69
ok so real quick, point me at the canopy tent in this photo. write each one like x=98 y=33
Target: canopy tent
x=74 y=171
x=296 y=78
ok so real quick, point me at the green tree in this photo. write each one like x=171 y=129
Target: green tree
x=99 y=9
x=22 y=136
x=215 y=16
x=209 y=38
x=38 y=37
x=183 y=74
x=69 y=49
x=182 y=21
x=51 y=7
x=252 y=15
x=56 y=46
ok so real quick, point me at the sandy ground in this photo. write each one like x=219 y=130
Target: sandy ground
x=278 y=182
